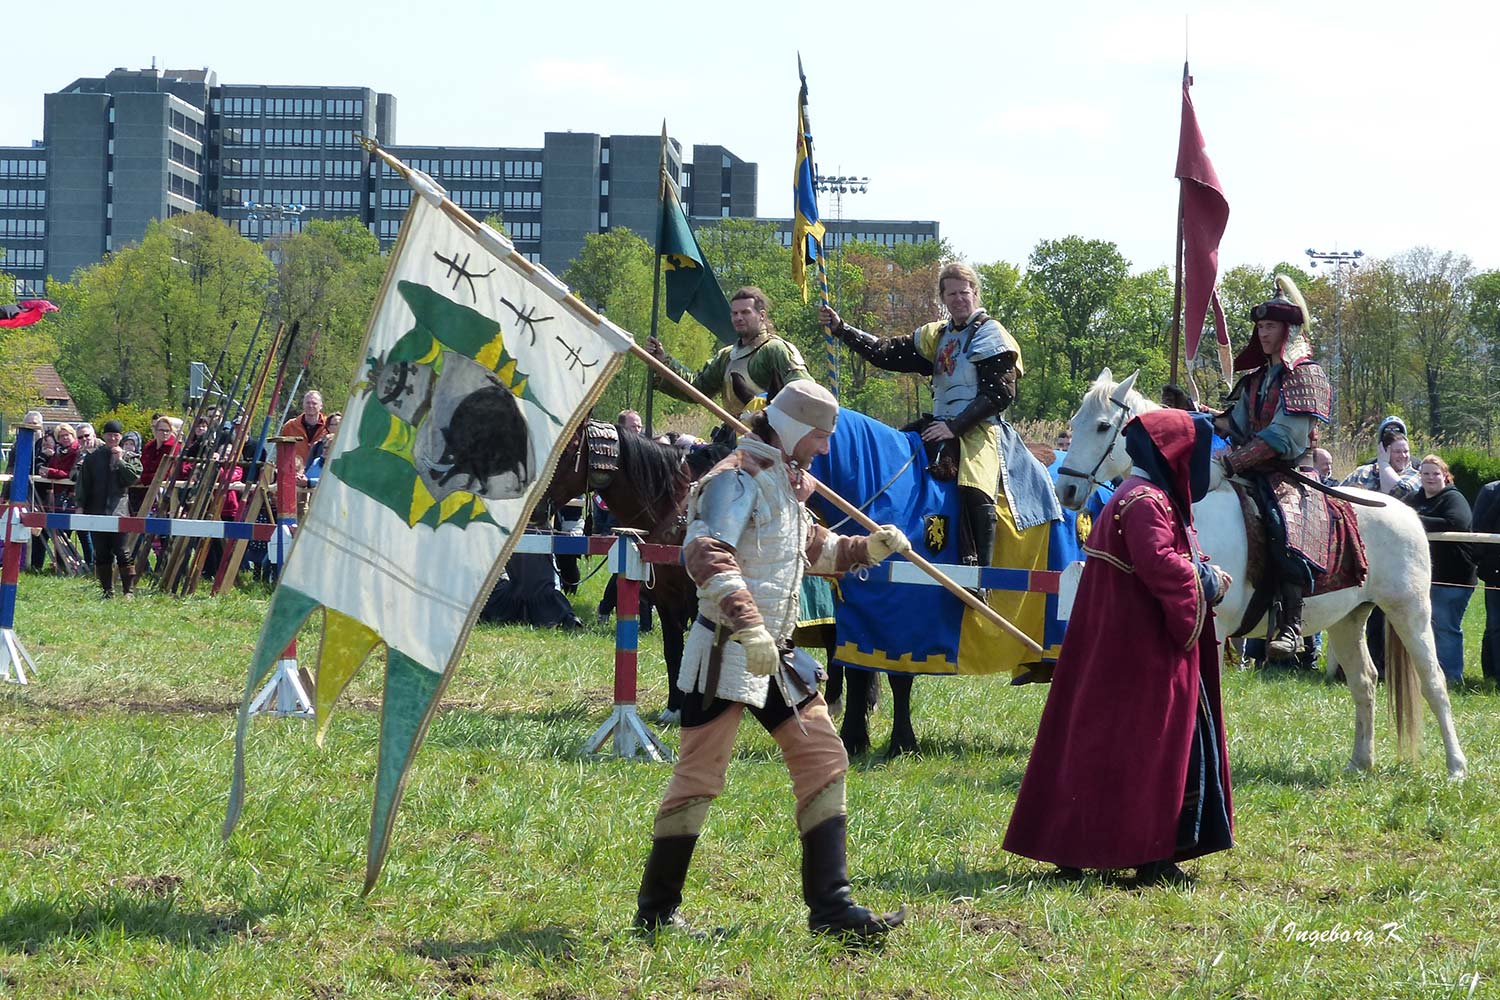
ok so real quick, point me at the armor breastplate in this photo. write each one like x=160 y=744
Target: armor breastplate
x=739 y=364
x=955 y=380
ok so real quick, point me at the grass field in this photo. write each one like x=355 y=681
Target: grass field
x=515 y=863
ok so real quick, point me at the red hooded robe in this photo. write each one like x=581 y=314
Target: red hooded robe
x=1106 y=781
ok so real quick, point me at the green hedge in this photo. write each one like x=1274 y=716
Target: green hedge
x=1472 y=468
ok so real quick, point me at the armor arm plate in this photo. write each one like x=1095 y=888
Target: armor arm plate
x=1306 y=390
x=722 y=506
x=895 y=354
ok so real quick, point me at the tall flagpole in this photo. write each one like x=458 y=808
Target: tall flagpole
x=1177 y=266
x=661 y=212
x=830 y=343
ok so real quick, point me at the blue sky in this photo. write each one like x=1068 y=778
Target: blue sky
x=1368 y=126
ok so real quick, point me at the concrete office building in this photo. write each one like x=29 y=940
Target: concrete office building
x=135 y=145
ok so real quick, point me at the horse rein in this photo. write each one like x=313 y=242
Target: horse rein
x=1091 y=475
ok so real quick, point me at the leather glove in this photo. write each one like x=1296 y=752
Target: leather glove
x=762 y=656
x=886 y=540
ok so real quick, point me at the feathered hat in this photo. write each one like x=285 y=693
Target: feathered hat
x=1287 y=306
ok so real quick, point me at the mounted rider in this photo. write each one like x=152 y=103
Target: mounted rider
x=974 y=363
x=1269 y=426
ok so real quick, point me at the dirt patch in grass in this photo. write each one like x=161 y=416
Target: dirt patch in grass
x=155 y=886
x=558 y=991
x=1032 y=937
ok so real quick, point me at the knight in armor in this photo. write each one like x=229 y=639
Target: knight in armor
x=1269 y=425
x=761 y=362
x=749 y=538
x=974 y=363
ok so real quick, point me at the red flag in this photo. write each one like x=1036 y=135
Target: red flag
x=25 y=313
x=1204 y=215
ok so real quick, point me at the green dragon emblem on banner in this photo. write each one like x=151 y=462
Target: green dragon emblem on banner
x=441 y=429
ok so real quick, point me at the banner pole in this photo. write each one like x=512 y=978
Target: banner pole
x=573 y=302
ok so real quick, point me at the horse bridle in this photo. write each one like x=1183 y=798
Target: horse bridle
x=1114 y=439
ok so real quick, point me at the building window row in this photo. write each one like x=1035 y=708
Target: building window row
x=288 y=137
x=181 y=185
x=23 y=227
x=524 y=230
x=273 y=168
x=24 y=258
x=185 y=125
x=23 y=168
x=523 y=168
x=395 y=197
x=27 y=287
x=523 y=199
x=289 y=107
x=180 y=154
x=23 y=198
x=455 y=169
x=478 y=199
x=390 y=228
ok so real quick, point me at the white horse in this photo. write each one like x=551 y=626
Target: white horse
x=1398 y=580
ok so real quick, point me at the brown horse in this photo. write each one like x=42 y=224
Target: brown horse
x=645 y=486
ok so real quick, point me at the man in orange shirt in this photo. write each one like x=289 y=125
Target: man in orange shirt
x=309 y=427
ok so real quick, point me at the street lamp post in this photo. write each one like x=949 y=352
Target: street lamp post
x=269 y=212
x=839 y=187
x=1342 y=262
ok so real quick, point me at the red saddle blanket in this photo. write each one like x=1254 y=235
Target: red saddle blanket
x=1320 y=528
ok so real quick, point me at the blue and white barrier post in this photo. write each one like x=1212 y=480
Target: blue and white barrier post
x=13 y=670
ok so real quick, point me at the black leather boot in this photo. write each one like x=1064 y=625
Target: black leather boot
x=106 y=574
x=976 y=535
x=1286 y=641
x=825 y=887
x=661 y=886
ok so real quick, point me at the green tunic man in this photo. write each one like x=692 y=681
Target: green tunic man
x=760 y=362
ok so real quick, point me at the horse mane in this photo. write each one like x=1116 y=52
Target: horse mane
x=700 y=460
x=1101 y=390
x=656 y=470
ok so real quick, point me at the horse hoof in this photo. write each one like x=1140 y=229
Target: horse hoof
x=855 y=748
x=899 y=747
x=1356 y=767
x=1459 y=771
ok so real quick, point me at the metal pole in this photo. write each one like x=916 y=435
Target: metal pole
x=1343 y=262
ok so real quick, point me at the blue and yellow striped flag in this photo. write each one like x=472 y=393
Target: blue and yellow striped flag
x=807 y=231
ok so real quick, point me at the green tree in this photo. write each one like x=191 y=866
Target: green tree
x=129 y=325
x=327 y=278
x=1435 y=294
x=1077 y=279
x=613 y=273
x=1484 y=318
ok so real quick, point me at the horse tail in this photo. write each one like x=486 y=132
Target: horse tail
x=1403 y=693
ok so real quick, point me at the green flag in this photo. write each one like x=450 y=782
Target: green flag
x=691 y=286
